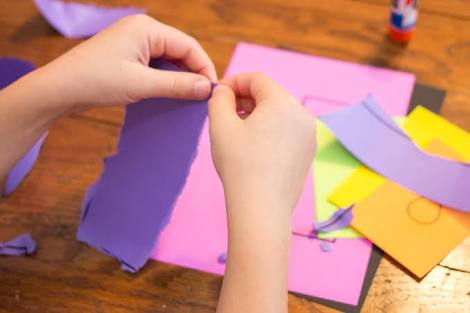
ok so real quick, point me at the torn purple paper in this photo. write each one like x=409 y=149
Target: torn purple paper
x=340 y=219
x=77 y=20
x=10 y=70
x=18 y=246
x=371 y=136
x=125 y=211
x=23 y=167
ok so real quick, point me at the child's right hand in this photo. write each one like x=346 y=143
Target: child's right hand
x=262 y=158
x=111 y=68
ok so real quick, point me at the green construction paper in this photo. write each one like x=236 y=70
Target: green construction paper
x=331 y=166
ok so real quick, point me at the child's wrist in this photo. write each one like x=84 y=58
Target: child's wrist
x=56 y=95
x=263 y=213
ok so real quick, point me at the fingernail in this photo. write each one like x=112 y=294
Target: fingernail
x=202 y=89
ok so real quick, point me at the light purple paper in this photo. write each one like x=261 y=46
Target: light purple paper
x=340 y=219
x=76 y=20
x=125 y=211
x=10 y=70
x=18 y=246
x=371 y=136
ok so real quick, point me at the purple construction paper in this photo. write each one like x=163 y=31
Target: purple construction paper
x=125 y=211
x=76 y=20
x=371 y=136
x=10 y=70
x=340 y=219
x=21 y=245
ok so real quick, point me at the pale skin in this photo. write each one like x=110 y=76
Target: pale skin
x=262 y=139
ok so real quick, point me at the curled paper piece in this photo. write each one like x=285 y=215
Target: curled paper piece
x=77 y=20
x=222 y=259
x=340 y=219
x=124 y=212
x=18 y=246
x=23 y=167
x=372 y=136
x=326 y=246
x=10 y=70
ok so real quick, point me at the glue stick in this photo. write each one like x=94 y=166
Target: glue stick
x=403 y=19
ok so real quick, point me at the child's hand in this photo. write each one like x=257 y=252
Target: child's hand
x=262 y=157
x=112 y=67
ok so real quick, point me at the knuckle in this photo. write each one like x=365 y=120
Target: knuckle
x=179 y=87
x=193 y=41
x=260 y=78
x=310 y=124
x=291 y=101
x=138 y=19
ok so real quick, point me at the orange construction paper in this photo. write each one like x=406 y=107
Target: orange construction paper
x=414 y=231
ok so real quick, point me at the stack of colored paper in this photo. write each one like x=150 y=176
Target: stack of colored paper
x=418 y=211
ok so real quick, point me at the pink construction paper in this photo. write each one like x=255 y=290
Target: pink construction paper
x=323 y=84
x=196 y=235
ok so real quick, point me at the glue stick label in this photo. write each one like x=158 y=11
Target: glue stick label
x=404 y=14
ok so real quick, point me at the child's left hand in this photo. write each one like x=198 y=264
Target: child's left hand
x=112 y=67
x=108 y=69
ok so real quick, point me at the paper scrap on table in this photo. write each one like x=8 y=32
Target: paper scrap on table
x=125 y=211
x=196 y=234
x=372 y=136
x=416 y=232
x=18 y=246
x=77 y=20
x=12 y=69
x=340 y=219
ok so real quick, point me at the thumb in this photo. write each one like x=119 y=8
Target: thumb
x=222 y=105
x=179 y=85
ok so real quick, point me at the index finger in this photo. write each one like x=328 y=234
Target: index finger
x=170 y=43
x=256 y=86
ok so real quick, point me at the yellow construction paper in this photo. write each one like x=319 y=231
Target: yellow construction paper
x=422 y=126
x=356 y=187
x=416 y=232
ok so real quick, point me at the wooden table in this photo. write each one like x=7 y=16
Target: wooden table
x=67 y=276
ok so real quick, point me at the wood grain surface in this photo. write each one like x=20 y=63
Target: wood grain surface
x=67 y=276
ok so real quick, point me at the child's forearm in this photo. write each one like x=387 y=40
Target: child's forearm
x=92 y=75
x=256 y=273
x=27 y=108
